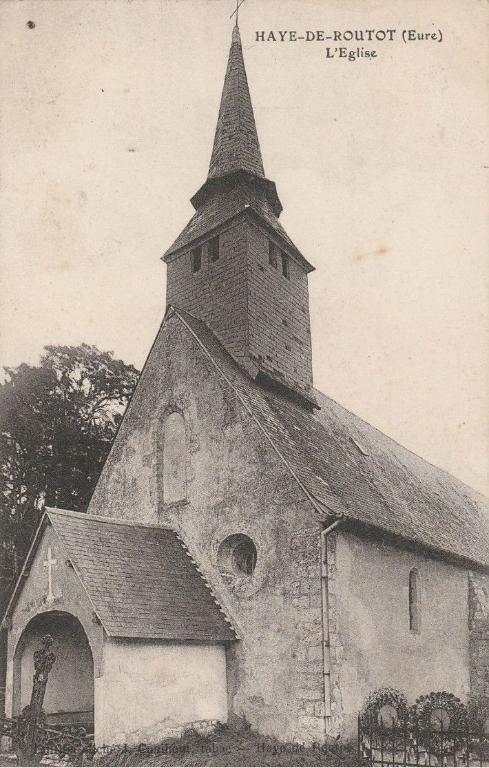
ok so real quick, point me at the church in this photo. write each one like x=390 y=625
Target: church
x=253 y=552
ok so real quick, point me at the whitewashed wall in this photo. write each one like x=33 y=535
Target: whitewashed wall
x=372 y=645
x=70 y=682
x=150 y=689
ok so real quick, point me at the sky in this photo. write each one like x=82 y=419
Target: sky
x=108 y=117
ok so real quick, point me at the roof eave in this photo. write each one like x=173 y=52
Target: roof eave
x=194 y=241
x=287 y=247
x=356 y=526
x=227 y=632
x=222 y=184
x=24 y=571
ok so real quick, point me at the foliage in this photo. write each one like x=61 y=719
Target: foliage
x=57 y=423
x=229 y=747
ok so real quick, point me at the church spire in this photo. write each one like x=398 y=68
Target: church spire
x=236 y=146
x=236 y=159
x=233 y=266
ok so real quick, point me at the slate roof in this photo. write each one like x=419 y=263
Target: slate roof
x=224 y=207
x=140 y=579
x=236 y=145
x=352 y=469
x=236 y=181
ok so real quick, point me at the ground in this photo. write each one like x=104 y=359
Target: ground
x=228 y=747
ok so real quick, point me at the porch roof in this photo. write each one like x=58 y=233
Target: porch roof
x=140 y=579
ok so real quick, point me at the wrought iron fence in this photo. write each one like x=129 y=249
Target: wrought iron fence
x=72 y=742
x=409 y=743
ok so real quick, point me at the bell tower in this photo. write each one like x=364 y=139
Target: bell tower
x=234 y=267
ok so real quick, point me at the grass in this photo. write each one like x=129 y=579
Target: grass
x=228 y=747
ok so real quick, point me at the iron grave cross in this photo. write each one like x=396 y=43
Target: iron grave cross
x=49 y=563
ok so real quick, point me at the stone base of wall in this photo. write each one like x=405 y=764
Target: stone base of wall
x=165 y=731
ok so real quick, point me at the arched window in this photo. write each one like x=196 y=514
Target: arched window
x=414 y=601
x=174 y=459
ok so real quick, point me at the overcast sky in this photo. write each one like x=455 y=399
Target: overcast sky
x=109 y=110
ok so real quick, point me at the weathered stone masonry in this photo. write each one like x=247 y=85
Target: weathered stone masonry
x=334 y=722
x=309 y=657
x=479 y=635
x=275 y=676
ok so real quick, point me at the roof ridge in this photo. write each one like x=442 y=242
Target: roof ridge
x=106 y=519
x=75 y=566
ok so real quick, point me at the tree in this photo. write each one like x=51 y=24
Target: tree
x=57 y=423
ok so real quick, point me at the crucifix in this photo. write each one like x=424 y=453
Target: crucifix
x=239 y=3
x=49 y=564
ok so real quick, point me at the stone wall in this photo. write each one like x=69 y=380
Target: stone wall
x=308 y=658
x=335 y=720
x=479 y=635
x=236 y=484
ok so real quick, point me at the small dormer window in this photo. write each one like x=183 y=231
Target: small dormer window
x=196 y=259
x=213 y=249
x=272 y=254
x=285 y=266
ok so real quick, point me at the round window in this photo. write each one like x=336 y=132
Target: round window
x=244 y=556
x=237 y=556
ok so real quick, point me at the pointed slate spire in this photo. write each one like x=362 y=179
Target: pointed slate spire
x=236 y=145
x=239 y=293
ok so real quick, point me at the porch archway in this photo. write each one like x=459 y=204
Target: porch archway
x=70 y=690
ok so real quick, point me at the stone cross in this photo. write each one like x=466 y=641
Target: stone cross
x=29 y=735
x=49 y=563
